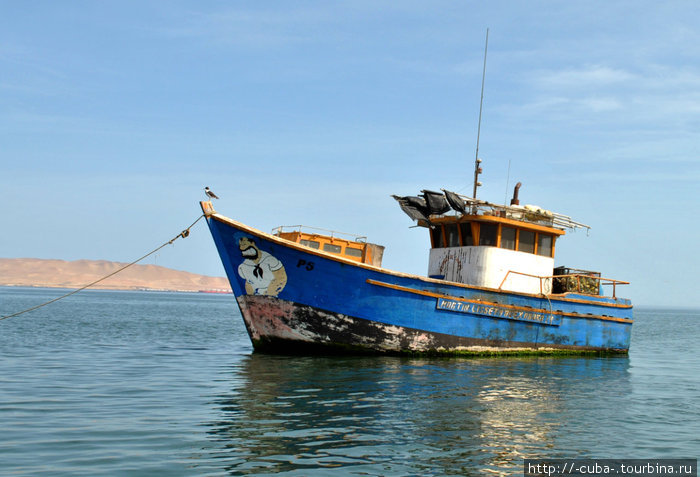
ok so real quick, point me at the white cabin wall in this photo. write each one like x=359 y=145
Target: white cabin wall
x=487 y=267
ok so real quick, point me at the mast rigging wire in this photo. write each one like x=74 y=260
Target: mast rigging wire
x=478 y=131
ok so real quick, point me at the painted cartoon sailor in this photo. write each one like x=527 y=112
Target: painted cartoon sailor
x=263 y=273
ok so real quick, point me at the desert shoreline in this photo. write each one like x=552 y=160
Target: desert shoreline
x=55 y=273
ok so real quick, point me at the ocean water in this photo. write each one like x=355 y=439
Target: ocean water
x=139 y=383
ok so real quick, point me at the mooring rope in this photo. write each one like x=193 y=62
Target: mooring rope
x=184 y=234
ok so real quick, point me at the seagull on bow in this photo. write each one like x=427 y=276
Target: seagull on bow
x=210 y=194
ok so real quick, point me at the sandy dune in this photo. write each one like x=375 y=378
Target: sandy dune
x=35 y=272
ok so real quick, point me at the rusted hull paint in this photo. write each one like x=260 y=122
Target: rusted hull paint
x=276 y=325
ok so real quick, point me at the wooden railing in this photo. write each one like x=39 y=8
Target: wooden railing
x=306 y=229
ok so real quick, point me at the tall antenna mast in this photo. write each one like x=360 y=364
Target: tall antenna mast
x=477 y=161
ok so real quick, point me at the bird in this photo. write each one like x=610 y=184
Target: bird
x=210 y=193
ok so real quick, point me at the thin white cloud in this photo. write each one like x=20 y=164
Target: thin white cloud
x=600 y=104
x=661 y=96
x=246 y=28
x=30 y=62
x=590 y=76
x=638 y=177
x=571 y=105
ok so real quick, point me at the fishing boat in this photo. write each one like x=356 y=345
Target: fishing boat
x=491 y=286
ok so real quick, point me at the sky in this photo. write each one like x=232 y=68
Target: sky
x=114 y=115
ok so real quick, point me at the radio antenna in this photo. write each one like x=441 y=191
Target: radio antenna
x=477 y=161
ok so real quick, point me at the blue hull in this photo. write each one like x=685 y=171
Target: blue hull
x=301 y=300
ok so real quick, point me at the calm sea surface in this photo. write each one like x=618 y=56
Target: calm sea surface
x=137 y=383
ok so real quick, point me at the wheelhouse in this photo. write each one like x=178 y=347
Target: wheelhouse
x=491 y=231
x=508 y=248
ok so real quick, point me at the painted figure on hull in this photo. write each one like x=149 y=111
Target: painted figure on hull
x=263 y=273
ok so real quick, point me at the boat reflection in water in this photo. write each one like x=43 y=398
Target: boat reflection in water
x=399 y=416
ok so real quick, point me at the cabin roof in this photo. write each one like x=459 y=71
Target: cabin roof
x=353 y=247
x=494 y=219
x=440 y=207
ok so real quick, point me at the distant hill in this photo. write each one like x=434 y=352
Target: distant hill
x=34 y=272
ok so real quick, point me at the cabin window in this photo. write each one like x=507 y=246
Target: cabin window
x=526 y=241
x=466 y=229
x=508 y=235
x=544 y=245
x=329 y=247
x=310 y=243
x=452 y=235
x=488 y=234
x=353 y=252
x=436 y=235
